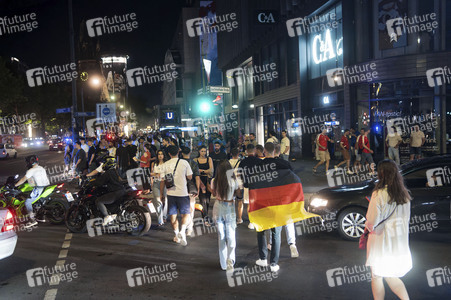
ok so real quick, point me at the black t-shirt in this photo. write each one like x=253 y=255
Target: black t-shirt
x=124 y=160
x=217 y=158
x=247 y=164
x=132 y=150
x=80 y=154
x=111 y=179
x=91 y=153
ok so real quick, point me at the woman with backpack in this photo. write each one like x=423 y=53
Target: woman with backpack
x=388 y=252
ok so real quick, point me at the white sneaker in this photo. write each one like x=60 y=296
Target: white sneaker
x=349 y=172
x=229 y=265
x=261 y=263
x=176 y=240
x=182 y=238
x=294 y=251
x=189 y=232
x=251 y=226
x=108 y=219
x=274 y=268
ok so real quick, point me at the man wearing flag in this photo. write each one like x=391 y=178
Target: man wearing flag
x=275 y=199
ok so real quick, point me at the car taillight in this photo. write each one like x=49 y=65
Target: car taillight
x=9 y=222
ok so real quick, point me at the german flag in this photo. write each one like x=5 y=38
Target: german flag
x=277 y=202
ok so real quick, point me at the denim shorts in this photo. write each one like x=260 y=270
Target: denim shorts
x=180 y=203
x=415 y=150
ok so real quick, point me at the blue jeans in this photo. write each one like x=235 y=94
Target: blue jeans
x=290 y=233
x=156 y=201
x=275 y=245
x=37 y=191
x=393 y=154
x=225 y=218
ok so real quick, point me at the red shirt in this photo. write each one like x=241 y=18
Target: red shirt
x=322 y=140
x=345 y=142
x=365 y=140
x=146 y=157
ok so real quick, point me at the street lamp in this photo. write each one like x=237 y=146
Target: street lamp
x=121 y=106
x=95 y=81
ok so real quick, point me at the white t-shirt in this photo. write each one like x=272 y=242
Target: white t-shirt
x=416 y=138
x=183 y=170
x=233 y=186
x=159 y=169
x=234 y=162
x=284 y=144
x=37 y=176
x=85 y=147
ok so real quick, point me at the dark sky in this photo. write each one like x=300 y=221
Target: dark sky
x=49 y=43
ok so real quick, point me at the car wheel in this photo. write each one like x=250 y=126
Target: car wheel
x=351 y=223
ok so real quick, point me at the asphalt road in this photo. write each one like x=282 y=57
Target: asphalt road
x=327 y=268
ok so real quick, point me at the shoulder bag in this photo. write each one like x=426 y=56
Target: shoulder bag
x=169 y=178
x=363 y=241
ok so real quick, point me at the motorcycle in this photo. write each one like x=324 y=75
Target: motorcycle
x=48 y=206
x=84 y=215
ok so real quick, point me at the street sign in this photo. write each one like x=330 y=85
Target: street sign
x=106 y=111
x=63 y=110
x=85 y=114
x=219 y=89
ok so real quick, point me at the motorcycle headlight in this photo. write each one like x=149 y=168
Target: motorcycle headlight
x=318 y=202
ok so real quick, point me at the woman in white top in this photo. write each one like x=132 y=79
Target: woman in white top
x=388 y=252
x=156 y=179
x=224 y=187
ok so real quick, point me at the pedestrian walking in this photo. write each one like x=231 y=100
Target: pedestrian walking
x=393 y=140
x=177 y=171
x=235 y=163
x=157 y=174
x=417 y=141
x=367 y=158
x=206 y=172
x=323 y=150
x=224 y=188
x=345 y=149
x=387 y=220
x=194 y=185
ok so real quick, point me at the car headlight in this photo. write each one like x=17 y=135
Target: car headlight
x=318 y=202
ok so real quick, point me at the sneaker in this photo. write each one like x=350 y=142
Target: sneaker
x=274 y=268
x=189 y=232
x=349 y=172
x=108 y=219
x=229 y=265
x=261 y=263
x=251 y=226
x=182 y=238
x=328 y=172
x=176 y=239
x=31 y=223
x=294 y=251
x=314 y=170
x=335 y=167
x=238 y=222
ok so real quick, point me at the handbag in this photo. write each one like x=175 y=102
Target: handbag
x=363 y=241
x=169 y=178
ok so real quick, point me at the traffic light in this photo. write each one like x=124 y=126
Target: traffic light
x=205 y=107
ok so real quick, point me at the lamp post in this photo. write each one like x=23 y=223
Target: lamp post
x=94 y=82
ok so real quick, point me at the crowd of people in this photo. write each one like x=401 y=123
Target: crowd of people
x=181 y=174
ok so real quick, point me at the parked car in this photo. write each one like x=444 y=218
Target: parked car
x=57 y=145
x=8 y=237
x=428 y=179
x=7 y=150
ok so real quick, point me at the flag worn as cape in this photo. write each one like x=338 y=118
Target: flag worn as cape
x=277 y=202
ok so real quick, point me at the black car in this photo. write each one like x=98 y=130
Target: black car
x=428 y=179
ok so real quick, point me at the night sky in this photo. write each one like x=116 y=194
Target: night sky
x=49 y=43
